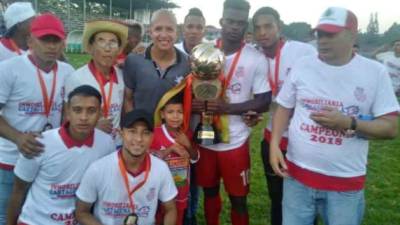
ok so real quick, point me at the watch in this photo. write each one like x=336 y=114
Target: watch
x=353 y=126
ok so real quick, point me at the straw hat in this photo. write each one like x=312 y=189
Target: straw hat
x=96 y=26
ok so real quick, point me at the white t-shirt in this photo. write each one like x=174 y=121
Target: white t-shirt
x=291 y=51
x=361 y=87
x=55 y=176
x=249 y=78
x=6 y=53
x=180 y=46
x=392 y=64
x=21 y=94
x=104 y=186
x=83 y=76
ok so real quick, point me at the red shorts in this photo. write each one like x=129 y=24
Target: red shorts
x=232 y=166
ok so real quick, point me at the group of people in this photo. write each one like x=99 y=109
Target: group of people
x=83 y=146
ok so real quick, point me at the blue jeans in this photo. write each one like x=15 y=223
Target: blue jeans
x=301 y=204
x=6 y=185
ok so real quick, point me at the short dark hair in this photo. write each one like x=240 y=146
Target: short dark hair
x=177 y=99
x=85 y=90
x=267 y=11
x=91 y=39
x=194 y=12
x=237 y=4
x=136 y=29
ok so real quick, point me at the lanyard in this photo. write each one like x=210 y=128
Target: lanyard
x=106 y=98
x=232 y=68
x=47 y=102
x=15 y=47
x=274 y=83
x=124 y=174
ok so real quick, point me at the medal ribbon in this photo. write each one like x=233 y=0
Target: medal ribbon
x=47 y=102
x=232 y=68
x=124 y=174
x=106 y=99
x=274 y=83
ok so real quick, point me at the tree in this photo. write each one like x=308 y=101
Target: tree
x=392 y=34
x=299 y=31
x=373 y=26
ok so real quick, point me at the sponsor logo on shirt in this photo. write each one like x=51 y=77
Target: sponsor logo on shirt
x=235 y=88
x=324 y=135
x=65 y=218
x=63 y=191
x=122 y=209
x=116 y=209
x=36 y=108
x=115 y=107
x=178 y=79
x=360 y=94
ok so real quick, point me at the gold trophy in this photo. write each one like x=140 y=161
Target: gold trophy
x=207 y=64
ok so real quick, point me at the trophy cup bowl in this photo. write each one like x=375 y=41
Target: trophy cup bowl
x=207 y=63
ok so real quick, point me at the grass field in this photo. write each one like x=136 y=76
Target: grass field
x=382 y=189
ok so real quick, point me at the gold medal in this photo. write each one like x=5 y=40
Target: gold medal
x=131 y=219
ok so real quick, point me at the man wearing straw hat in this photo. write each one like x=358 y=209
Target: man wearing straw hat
x=103 y=40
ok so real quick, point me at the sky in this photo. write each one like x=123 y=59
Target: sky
x=300 y=11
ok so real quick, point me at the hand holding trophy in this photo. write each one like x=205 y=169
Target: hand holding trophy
x=205 y=83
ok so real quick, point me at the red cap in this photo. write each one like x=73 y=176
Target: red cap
x=47 y=24
x=336 y=19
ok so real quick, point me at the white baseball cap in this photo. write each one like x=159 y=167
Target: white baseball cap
x=17 y=13
x=336 y=19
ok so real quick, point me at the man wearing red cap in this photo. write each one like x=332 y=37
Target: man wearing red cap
x=338 y=99
x=31 y=95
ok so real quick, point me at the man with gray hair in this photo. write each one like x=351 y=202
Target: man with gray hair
x=150 y=75
x=17 y=19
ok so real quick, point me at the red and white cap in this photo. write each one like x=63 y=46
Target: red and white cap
x=336 y=19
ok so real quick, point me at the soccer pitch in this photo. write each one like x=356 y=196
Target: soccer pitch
x=382 y=188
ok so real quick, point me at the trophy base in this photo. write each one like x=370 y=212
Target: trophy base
x=206 y=134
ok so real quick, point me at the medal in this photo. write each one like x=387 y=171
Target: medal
x=47 y=100
x=47 y=126
x=131 y=219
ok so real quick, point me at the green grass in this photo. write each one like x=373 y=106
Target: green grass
x=382 y=188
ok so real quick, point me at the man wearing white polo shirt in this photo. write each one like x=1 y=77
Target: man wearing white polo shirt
x=50 y=180
x=31 y=95
x=338 y=100
x=103 y=40
x=126 y=186
x=17 y=17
